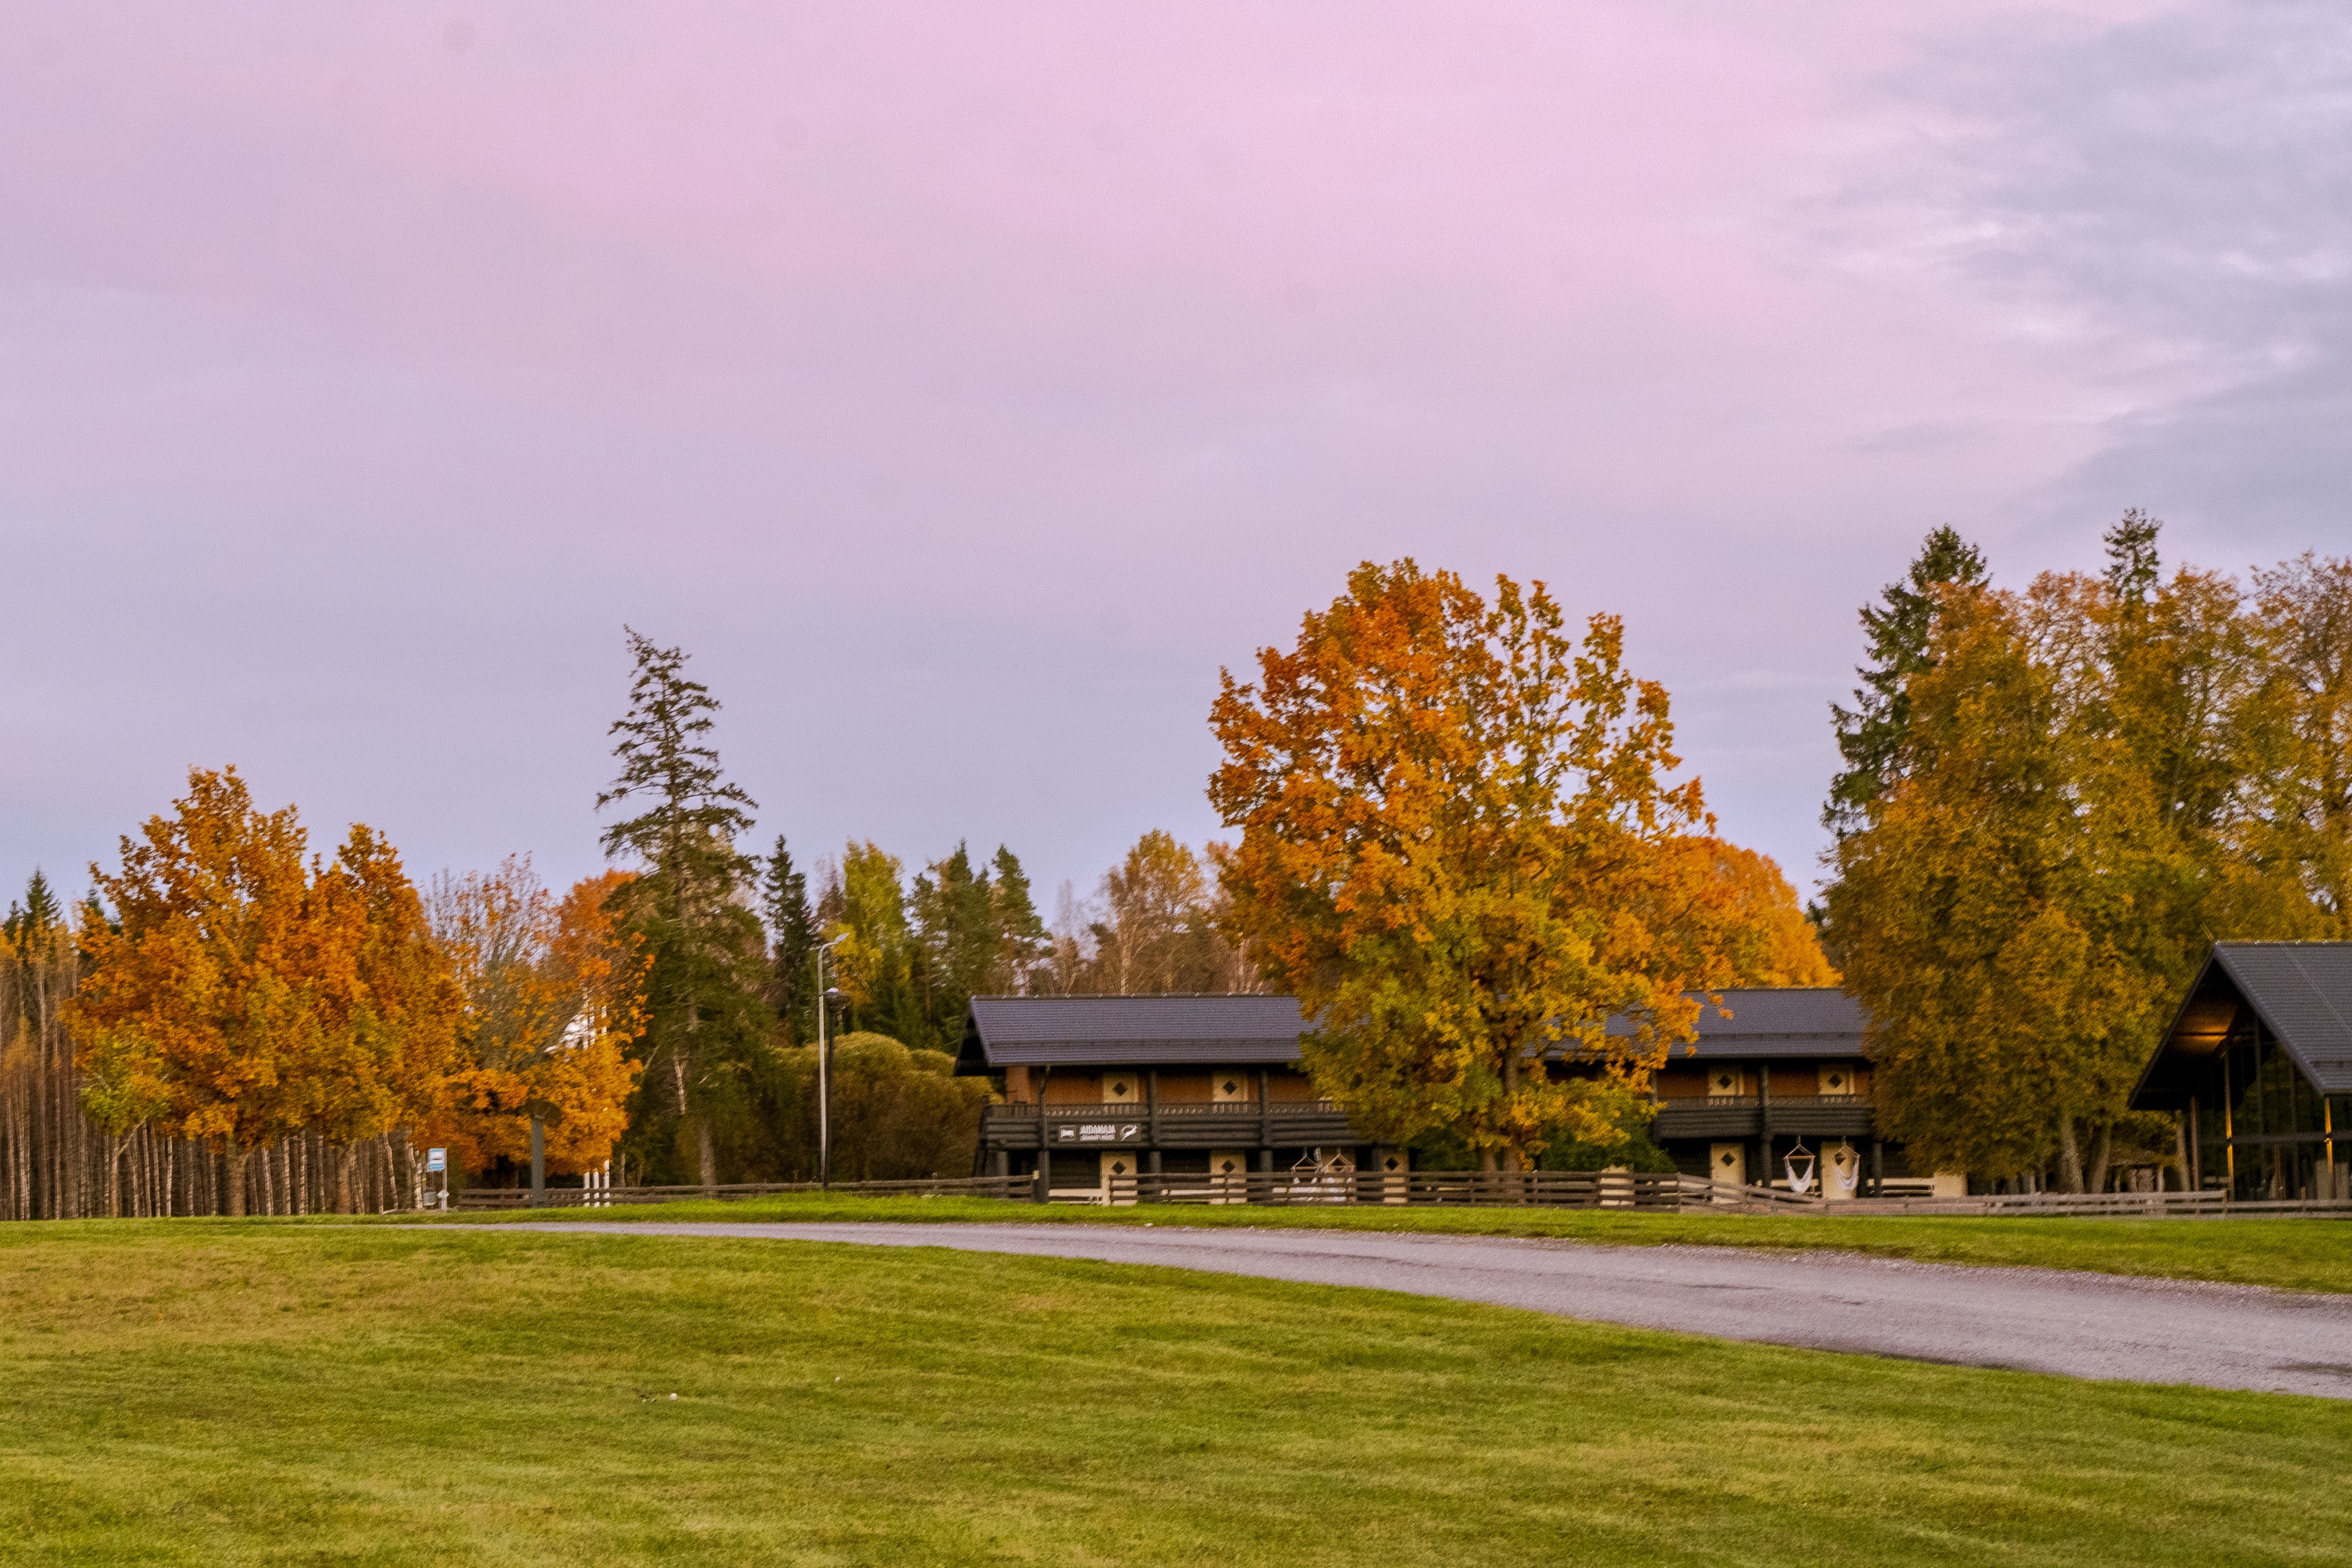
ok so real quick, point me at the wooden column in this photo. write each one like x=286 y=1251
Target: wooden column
x=1151 y=1114
x=1044 y=1142
x=1266 y=1118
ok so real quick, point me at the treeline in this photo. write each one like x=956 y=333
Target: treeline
x=2055 y=800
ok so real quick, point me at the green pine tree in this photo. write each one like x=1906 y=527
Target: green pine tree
x=1023 y=943
x=708 y=1027
x=793 y=938
x=1870 y=735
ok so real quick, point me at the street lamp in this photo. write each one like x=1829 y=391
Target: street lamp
x=824 y=998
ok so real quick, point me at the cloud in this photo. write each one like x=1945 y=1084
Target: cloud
x=2166 y=202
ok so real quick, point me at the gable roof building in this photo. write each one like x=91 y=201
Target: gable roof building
x=2258 y=1060
x=1168 y=1084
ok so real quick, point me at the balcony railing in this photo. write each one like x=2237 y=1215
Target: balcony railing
x=1731 y=1116
x=1183 y=1124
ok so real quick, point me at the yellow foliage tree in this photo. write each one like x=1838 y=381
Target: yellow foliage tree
x=553 y=1002
x=1460 y=849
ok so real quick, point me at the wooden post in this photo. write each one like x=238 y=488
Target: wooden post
x=538 y=1162
x=1044 y=1144
x=1266 y=1118
x=1151 y=1114
x=1877 y=1168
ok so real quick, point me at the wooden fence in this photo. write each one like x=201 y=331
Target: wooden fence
x=1638 y=1191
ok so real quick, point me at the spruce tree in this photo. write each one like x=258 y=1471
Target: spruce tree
x=1022 y=942
x=793 y=938
x=1870 y=735
x=955 y=918
x=705 y=1024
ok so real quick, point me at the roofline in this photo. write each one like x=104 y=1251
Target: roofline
x=2221 y=955
x=2164 y=1041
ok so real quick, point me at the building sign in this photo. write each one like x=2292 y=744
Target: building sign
x=437 y=1160
x=1099 y=1133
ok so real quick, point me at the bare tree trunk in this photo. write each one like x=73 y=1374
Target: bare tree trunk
x=2096 y=1181
x=709 y=1156
x=232 y=1160
x=343 y=1157
x=2070 y=1156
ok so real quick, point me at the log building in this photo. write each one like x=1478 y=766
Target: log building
x=1096 y=1089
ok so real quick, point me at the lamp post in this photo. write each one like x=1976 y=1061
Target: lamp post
x=824 y=999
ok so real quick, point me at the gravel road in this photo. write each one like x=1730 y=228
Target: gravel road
x=2038 y=1319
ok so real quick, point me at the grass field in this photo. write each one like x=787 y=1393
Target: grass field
x=222 y=1392
x=2293 y=1254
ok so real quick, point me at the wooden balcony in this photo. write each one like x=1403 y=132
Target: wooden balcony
x=1233 y=1124
x=1730 y=1117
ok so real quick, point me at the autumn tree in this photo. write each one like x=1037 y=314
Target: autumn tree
x=1870 y=735
x=390 y=1065
x=2302 y=624
x=1461 y=849
x=1154 y=926
x=2095 y=783
x=1767 y=940
x=864 y=913
x=44 y=1139
x=551 y=1007
x=242 y=993
x=707 y=1026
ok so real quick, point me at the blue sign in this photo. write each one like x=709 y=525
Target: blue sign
x=437 y=1160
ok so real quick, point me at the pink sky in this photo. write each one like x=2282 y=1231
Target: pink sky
x=964 y=385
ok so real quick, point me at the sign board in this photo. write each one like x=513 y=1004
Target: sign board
x=437 y=1160
x=1101 y=1132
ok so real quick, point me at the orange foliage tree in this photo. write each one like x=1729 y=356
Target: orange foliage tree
x=244 y=993
x=1459 y=847
x=552 y=1005
x=1767 y=941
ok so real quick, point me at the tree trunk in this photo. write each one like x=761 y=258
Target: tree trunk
x=2180 y=1145
x=2100 y=1151
x=710 y=1154
x=2069 y=1157
x=343 y=1158
x=233 y=1180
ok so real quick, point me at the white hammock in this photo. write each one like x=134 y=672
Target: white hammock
x=1845 y=1169
x=1801 y=1183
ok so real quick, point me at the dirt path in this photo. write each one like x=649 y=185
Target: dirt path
x=2078 y=1324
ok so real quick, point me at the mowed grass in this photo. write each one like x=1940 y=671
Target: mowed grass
x=254 y=1393
x=2295 y=1254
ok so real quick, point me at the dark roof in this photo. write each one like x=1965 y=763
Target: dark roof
x=2301 y=990
x=1232 y=1031
x=1107 y=1031
x=1792 y=1021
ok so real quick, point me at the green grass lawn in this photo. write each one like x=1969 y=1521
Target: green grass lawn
x=217 y=1392
x=2293 y=1254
